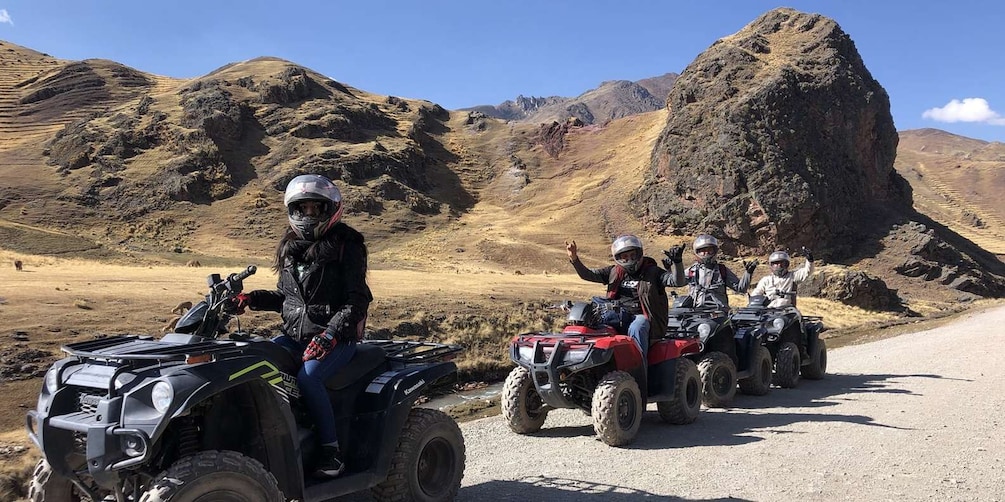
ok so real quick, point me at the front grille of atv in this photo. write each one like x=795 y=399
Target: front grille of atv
x=87 y=400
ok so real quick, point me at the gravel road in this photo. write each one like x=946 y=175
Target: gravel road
x=914 y=417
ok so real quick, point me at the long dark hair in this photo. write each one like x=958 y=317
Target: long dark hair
x=328 y=247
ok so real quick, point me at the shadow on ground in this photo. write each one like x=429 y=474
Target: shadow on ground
x=560 y=489
x=737 y=424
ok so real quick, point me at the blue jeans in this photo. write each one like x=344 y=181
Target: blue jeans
x=311 y=379
x=636 y=326
x=639 y=330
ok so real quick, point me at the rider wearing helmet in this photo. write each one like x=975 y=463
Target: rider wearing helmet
x=707 y=279
x=782 y=280
x=780 y=286
x=322 y=295
x=636 y=281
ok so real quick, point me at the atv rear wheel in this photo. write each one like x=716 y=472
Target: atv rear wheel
x=428 y=463
x=759 y=383
x=214 y=475
x=617 y=408
x=686 y=403
x=47 y=486
x=521 y=405
x=718 y=379
x=787 y=366
x=818 y=366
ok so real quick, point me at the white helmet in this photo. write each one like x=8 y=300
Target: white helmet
x=312 y=187
x=627 y=243
x=779 y=257
x=705 y=241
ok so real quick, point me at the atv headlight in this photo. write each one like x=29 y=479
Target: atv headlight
x=704 y=329
x=161 y=396
x=52 y=380
x=777 y=324
x=525 y=353
x=575 y=356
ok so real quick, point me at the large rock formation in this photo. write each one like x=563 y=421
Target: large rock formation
x=777 y=135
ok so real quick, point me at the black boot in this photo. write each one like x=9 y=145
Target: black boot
x=330 y=464
x=805 y=356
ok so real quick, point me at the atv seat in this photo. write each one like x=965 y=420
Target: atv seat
x=367 y=358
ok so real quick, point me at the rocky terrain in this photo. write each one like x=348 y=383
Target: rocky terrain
x=101 y=160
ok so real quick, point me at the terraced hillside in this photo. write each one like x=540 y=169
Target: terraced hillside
x=958 y=182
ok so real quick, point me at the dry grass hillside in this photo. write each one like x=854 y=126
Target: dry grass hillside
x=958 y=182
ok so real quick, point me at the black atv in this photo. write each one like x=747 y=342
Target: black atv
x=591 y=367
x=727 y=356
x=782 y=328
x=199 y=416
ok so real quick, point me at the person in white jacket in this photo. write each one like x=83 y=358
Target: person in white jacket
x=780 y=286
x=781 y=280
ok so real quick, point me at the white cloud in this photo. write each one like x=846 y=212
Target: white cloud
x=5 y=17
x=967 y=110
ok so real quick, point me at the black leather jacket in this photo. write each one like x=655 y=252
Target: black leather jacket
x=327 y=293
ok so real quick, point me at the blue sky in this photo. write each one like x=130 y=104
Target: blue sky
x=943 y=63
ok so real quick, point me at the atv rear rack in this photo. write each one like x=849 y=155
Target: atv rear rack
x=144 y=348
x=404 y=351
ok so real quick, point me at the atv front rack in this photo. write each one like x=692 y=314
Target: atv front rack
x=408 y=352
x=143 y=348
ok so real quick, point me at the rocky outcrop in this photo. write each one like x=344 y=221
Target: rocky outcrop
x=851 y=287
x=963 y=266
x=777 y=135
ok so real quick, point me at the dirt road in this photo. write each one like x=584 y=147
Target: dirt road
x=915 y=417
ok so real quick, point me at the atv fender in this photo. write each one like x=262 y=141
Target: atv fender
x=259 y=386
x=663 y=357
x=403 y=386
x=627 y=356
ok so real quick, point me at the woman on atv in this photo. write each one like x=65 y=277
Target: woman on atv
x=322 y=295
x=636 y=281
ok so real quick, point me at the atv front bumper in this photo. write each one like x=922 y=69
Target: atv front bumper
x=549 y=363
x=89 y=438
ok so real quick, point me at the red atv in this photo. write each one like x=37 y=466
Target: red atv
x=592 y=367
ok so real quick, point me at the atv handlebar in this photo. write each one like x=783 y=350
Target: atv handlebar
x=240 y=276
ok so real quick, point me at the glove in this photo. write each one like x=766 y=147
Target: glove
x=807 y=253
x=237 y=304
x=675 y=254
x=321 y=345
x=749 y=266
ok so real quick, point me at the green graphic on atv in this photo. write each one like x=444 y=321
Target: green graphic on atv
x=283 y=382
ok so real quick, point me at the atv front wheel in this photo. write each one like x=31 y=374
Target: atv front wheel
x=787 y=366
x=686 y=403
x=718 y=379
x=521 y=404
x=214 y=475
x=617 y=408
x=818 y=366
x=759 y=383
x=47 y=486
x=428 y=463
